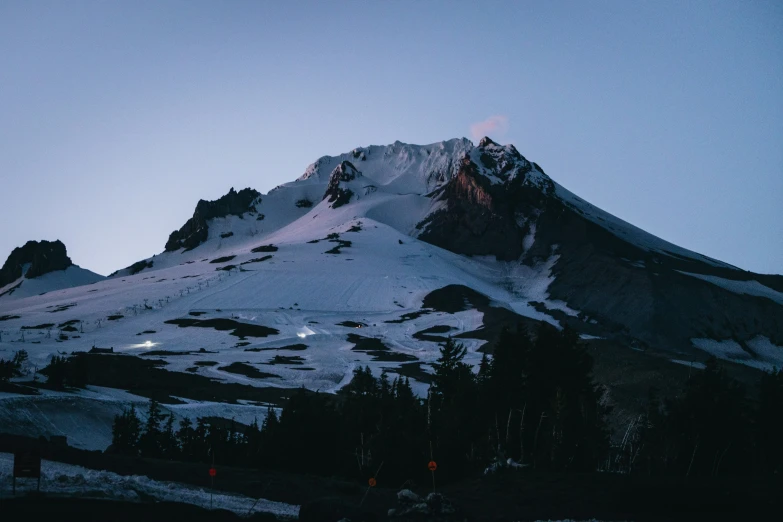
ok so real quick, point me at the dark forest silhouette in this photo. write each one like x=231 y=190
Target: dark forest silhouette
x=532 y=405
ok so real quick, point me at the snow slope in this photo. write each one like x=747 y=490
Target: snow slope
x=57 y=280
x=86 y=416
x=741 y=287
x=632 y=234
x=765 y=355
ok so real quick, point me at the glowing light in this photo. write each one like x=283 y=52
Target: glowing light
x=145 y=345
x=304 y=332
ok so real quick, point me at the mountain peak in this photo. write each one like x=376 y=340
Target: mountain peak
x=486 y=141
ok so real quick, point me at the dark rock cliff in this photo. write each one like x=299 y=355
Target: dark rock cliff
x=196 y=230
x=42 y=256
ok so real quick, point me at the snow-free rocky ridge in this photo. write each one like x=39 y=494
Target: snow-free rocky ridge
x=372 y=258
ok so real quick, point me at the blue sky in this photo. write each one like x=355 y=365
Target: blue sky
x=118 y=116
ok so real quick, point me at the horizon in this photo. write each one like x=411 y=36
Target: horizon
x=122 y=118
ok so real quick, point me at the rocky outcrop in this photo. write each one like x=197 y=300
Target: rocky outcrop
x=40 y=257
x=487 y=204
x=196 y=230
x=337 y=193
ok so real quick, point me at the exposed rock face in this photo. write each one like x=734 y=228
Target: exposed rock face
x=651 y=299
x=138 y=266
x=484 y=201
x=337 y=192
x=196 y=230
x=503 y=205
x=41 y=256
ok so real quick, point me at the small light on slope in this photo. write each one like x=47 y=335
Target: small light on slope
x=304 y=332
x=146 y=345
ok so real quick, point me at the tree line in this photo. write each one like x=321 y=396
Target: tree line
x=534 y=404
x=14 y=366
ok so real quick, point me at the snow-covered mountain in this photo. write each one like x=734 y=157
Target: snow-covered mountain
x=374 y=256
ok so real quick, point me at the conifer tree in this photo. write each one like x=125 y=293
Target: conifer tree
x=168 y=442
x=252 y=442
x=455 y=412
x=126 y=431
x=150 y=442
x=186 y=439
x=55 y=372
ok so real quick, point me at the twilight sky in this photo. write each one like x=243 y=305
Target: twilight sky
x=116 y=117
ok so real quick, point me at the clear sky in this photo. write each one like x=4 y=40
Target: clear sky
x=116 y=117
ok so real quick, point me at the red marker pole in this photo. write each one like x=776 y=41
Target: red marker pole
x=212 y=473
x=432 y=466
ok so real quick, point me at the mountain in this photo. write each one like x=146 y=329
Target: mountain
x=637 y=286
x=374 y=257
x=39 y=267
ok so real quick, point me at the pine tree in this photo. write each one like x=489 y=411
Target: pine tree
x=363 y=383
x=252 y=442
x=200 y=445
x=270 y=438
x=151 y=441
x=125 y=432
x=169 y=447
x=6 y=370
x=456 y=430
x=451 y=374
x=19 y=360
x=186 y=439
x=55 y=372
